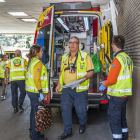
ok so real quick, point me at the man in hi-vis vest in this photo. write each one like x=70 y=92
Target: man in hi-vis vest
x=119 y=87
x=17 y=67
x=3 y=65
x=74 y=65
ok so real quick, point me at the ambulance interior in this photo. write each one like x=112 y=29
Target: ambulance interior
x=86 y=29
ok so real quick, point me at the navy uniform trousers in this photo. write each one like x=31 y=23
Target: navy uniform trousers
x=34 y=108
x=79 y=99
x=14 y=90
x=117 y=118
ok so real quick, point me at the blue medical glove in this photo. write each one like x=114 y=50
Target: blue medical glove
x=102 y=87
x=41 y=96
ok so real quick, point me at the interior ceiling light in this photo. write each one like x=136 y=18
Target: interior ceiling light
x=2 y=0
x=62 y=23
x=17 y=13
x=29 y=20
x=86 y=23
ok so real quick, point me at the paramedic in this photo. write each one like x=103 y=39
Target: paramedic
x=119 y=87
x=17 y=67
x=74 y=65
x=3 y=65
x=36 y=86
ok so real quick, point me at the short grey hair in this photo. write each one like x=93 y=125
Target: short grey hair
x=75 y=38
x=17 y=52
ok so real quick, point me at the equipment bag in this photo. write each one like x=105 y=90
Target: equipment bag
x=43 y=118
x=97 y=67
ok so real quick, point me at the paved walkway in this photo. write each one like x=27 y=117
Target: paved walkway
x=14 y=126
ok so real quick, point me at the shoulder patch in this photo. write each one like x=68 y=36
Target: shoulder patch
x=128 y=61
x=113 y=65
x=38 y=70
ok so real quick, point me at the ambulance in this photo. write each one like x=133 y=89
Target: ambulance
x=58 y=23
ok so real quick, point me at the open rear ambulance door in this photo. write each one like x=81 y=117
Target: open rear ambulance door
x=44 y=37
x=109 y=28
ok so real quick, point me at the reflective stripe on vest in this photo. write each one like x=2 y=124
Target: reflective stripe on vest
x=19 y=77
x=2 y=70
x=34 y=88
x=83 y=87
x=31 y=76
x=82 y=55
x=117 y=136
x=124 y=130
x=18 y=70
x=81 y=74
x=122 y=91
x=1 y=73
x=124 y=77
x=65 y=55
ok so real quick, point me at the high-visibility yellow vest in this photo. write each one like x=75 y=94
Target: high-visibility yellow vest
x=2 y=69
x=30 y=85
x=17 y=69
x=81 y=70
x=123 y=86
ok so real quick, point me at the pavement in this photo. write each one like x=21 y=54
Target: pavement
x=14 y=126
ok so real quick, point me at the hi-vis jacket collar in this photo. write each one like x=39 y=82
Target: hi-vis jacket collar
x=76 y=55
x=118 y=52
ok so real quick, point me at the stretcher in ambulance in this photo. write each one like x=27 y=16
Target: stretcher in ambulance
x=94 y=29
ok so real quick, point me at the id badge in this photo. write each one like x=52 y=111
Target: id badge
x=81 y=66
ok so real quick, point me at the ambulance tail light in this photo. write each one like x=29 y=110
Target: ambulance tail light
x=104 y=101
x=95 y=7
x=47 y=101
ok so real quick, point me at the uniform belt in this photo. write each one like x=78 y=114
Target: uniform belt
x=123 y=96
x=120 y=96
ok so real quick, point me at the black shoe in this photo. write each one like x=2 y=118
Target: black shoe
x=20 y=108
x=82 y=129
x=30 y=136
x=64 y=136
x=15 y=110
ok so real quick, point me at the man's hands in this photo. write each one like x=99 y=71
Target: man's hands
x=57 y=88
x=102 y=87
x=74 y=86
x=77 y=85
x=41 y=97
x=6 y=81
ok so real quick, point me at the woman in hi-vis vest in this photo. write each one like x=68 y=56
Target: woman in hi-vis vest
x=36 y=86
